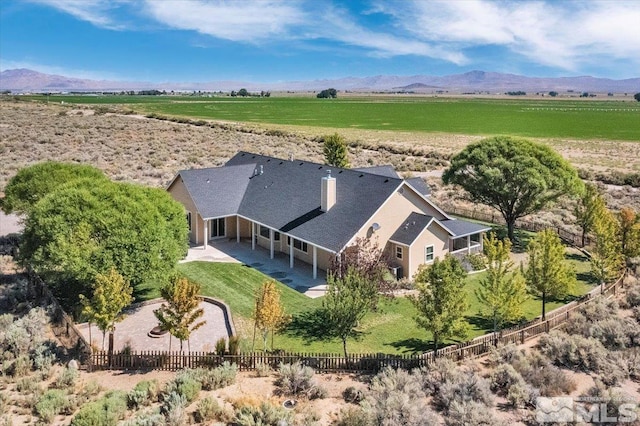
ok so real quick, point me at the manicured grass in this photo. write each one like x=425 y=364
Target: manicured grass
x=391 y=329
x=584 y=119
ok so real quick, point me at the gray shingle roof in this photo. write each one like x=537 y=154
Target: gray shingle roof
x=461 y=228
x=217 y=191
x=419 y=185
x=286 y=196
x=411 y=227
x=386 y=170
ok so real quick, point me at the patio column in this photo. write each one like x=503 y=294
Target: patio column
x=271 y=240
x=237 y=229
x=291 y=252
x=468 y=244
x=205 y=232
x=315 y=262
x=253 y=235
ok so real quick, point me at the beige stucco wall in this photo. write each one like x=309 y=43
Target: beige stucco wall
x=404 y=262
x=433 y=235
x=179 y=193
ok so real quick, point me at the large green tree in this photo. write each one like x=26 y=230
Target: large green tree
x=607 y=259
x=548 y=275
x=111 y=294
x=629 y=228
x=335 y=151
x=181 y=312
x=33 y=183
x=515 y=176
x=441 y=301
x=503 y=291
x=269 y=313
x=87 y=226
x=348 y=299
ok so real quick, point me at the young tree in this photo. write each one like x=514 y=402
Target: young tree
x=179 y=315
x=629 y=232
x=503 y=291
x=637 y=96
x=366 y=257
x=441 y=301
x=269 y=312
x=111 y=294
x=606 y=258
x=589 y=203
x=335 y=151
x=347 y=301
x=547 y=274
x=515 y=176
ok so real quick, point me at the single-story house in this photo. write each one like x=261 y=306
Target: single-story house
x=312 y=212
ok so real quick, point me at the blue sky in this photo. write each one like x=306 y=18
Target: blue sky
x=270 y=41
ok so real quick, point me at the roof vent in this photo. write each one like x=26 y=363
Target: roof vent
x=291 y=156
x=261 y=169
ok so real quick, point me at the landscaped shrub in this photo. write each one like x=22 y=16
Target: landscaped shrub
x=52 y=403
x=208 y=409
x=353 y=395
x=397 y=397
x=296 y=379
x=221 y=346
x=266 y=414
x=234 y=345
x=184 y=384
x=464 y=387
x=106 y=411
x=144 y=393
x=173 y=409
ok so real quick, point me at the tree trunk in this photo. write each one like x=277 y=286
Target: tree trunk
x=511 y=224
x=169 y=342
x=103 y=334
x=544 y=302
x=344 y=348
x=180 y=345
x=495 y=322
x=584 y=236
x=435 y=343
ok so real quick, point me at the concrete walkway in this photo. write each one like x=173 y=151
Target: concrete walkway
x=299 y=278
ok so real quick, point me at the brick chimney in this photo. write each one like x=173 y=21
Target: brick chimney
x=328 y=198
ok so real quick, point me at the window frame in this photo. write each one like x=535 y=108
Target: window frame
x=426 y=253
x=399 y=252
x=189 y=218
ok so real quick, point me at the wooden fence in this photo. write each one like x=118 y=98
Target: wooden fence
x=355 y=363
x=528 y=225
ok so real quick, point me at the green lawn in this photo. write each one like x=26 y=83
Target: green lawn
x=391 y=329
x=562 y=118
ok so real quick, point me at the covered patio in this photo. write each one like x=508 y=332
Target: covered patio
x=300 y=277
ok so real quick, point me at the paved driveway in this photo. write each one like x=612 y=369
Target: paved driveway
x=299 y=278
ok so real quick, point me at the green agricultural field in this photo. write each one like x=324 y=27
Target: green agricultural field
x=391 y=329
x=551 y=118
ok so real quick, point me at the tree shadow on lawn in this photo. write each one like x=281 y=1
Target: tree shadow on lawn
x=412 y=345
x=311 y=326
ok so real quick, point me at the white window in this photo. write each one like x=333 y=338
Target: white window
x=298 y=245
x=189 y=220
x=399 y=252
x=264 y=232
x=428 y=254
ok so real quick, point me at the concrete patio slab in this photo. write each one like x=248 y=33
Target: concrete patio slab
x=299 y=278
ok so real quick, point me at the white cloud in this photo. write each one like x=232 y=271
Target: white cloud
x=567 y=35
x=245 y=21
x=97 y=12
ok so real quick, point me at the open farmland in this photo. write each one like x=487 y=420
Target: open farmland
x=540 y=118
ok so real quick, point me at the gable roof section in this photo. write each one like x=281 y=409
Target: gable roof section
x=410 y=228
x=286 y=197
x=217 y=191
x=462 y=228
x=419 y=185
x=385 y=170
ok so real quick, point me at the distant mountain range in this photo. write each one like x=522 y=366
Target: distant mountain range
x=24 y=80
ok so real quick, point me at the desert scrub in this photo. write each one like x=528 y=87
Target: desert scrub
x=106 y=411
x=173 y=409
x=397 y=397
x=217 y=378
x=184 y=384
x=471 y=413
x=152 y=418
x=464 y=387
x=67 y=378
x=52 y=403
x=353 y=416
x=207 y=410
x=353 y=395
x=266 y=414
x=262 y=369
x=144 y=393
x=296 y=379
